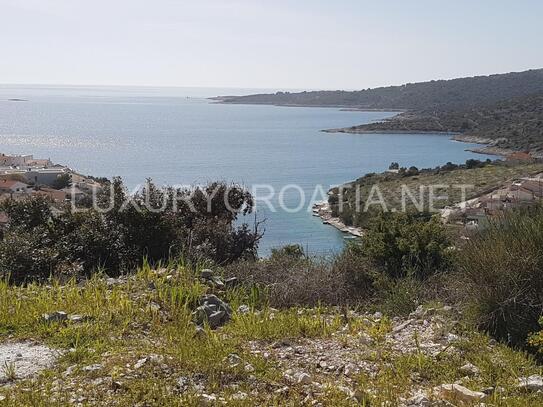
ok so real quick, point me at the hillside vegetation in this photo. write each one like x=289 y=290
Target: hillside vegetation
x=481 y=177
x=512 y=124
x=441 y=94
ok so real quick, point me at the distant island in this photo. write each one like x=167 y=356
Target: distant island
x=503 y=111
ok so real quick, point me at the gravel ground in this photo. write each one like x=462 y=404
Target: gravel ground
x=26 y=358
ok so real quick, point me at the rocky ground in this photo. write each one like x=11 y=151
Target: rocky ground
x=166 y=337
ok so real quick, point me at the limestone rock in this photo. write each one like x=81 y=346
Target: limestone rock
x=458 y=393
x=470 y=369
x=57 y=316
x=531 y=383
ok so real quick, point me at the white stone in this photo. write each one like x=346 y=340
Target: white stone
x=531 y=383
x=456 y=392
x=470 y=369
x=302 y=378
x=139 y=364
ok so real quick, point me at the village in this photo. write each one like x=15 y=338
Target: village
x=492 y=198
x=23 y=176
x=477 y=212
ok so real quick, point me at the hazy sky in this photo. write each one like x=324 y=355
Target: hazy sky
x=325 y=44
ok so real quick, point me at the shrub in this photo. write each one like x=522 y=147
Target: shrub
x=156 y=224
x=501 y=276
x=293 y=250
x=407 y=244
x=297 y=280
x=62 y=181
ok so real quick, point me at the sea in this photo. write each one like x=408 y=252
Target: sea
x=178 y=136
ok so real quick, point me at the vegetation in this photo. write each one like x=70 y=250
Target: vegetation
x=407 y=245
x=505 y=110
x=39 y=243
x=501 y=279
x=452 y=94
x=62 y=181
x=510 y=124
x=378 y=304
x=146 y=320
x=412 y=188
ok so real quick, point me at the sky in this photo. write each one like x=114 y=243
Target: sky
x=280 y=44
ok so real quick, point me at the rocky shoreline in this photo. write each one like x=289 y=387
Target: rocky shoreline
x=323 y=211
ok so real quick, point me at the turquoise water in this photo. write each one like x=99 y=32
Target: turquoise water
x=160 y=133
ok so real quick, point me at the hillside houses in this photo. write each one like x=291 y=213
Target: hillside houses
x=23 y=176
x=477 y=212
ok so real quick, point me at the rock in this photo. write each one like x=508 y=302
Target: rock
x=239 y=396
x=139 y=364
x=302 y=378
x=69 y=370
x=231 y=282
x=456 y=392
x=76 y=319
x=531 y=383
x=183 y=383
x=213 y=310
x=208 y=399
x=116 y=386
x=470 y=369
x=215 y=319
x=199 y=315
x=418 y=400
x=154 y=307
x=365 y=339
x=206 y=274
x=243 y=309
x=92 y=368
x=57 y=316
x=400 y=327
x=217 y=282
x=350 y=370
x=233 y=360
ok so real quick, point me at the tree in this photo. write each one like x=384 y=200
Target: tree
x=407 y=244
x=62 y=181
x=394 y=166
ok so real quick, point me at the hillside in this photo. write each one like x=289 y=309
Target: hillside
x=441 y=94
x=512 y=124
x=131 y=342
x=483 y=178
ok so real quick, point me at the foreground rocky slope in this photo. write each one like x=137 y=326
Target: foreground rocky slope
x=156 y=339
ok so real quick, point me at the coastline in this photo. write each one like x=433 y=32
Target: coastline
x=324 y=212
x=359 y=131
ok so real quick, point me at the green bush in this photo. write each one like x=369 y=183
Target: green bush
x=501 y=276
x=407 y=245
x=156 y=224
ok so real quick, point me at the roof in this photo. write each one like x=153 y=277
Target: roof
x=10 y=183
x=520 y=155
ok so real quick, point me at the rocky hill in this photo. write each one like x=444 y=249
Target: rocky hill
x=459 y=93
x=515 y=124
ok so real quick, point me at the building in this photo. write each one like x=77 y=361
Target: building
x=10 y=186
x=44 y=176
x=520 y=156
x=14 y=160
x=53 y=194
